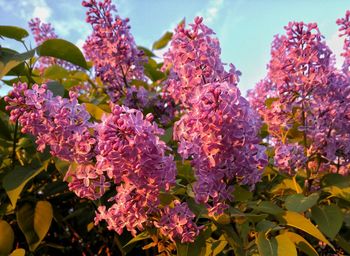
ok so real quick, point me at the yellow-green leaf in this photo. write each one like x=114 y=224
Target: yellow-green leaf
x=296 y=220
x=95 y=111
x=18 y=252
x=285 y=247
x=13 y=32
x=15 y=180
x=7 y=237
x=302 y=244
x=34 y=222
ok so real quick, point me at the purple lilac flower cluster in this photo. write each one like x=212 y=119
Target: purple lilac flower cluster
x=42 y=32
x=344 y=24
x=60 y=123
x=220 y=134
x=218 y=129
x=194 y=59
x=177 y=221
x=304 y=95
x=111 y=47
x=124 y=150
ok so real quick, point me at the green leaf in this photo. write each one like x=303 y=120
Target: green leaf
x=35 y=222
x=168 y=135
x=13 y=32
x=287 y=184
x=302 y=244
x=269 y=101
x=268 y=207
x=10 y=61
x=15 y=180
x=242 y=194
x=64 y=50
x=266 y=247
x=217 y=246
x=163 y=41
x=329 y=219
x=56 y=88
x=343 y=243
x=189 y=249
x=300 y=203
x=94 y=111
x=142 y=236
x=335 y=179
x=296 y=220
x=338 y=192
x=285 y=247
x=184 y=171
x=146 y=51
x=56 y=72
x=7 y=237
x=18 y=252
x=265 y=225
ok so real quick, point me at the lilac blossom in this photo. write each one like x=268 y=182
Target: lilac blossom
x=42 y=32
x=177 y=223
x=112 y=48
x=219 y=134
x=194 y=59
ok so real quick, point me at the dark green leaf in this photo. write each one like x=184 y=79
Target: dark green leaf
x=242 y=194
x=13 y=32
x=64 y=50
x=266 y=247
x=163 y=41
x=146 y=51
x=301 y=203
x=268 y=207
x=56 y=88
x=329 y=219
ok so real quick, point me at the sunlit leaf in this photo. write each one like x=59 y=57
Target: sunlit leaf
x=34 y=222
x=13 y=32
x=64 y=50
x=7 y=238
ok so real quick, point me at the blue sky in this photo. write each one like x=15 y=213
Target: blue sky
x=245 y=28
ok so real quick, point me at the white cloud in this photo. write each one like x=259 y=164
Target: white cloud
x=27 y=9
x=335 y=43
x=212 y=10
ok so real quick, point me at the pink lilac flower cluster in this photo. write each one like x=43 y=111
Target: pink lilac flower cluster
x=111 y=47
x=194 y=59
x=42 y=32
x=177 y=221
x=344 y=24
x=60 y=123
x=304 y=96
x=219 y=134
x=124 y=150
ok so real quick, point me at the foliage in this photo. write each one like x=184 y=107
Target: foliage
x=113 y=152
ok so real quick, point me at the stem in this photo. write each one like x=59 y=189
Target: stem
x=119 y=245
x=14 y=144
